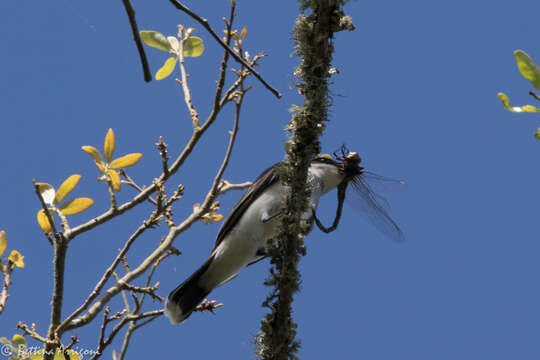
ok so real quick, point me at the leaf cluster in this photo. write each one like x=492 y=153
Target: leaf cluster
x=530 y=71
x=183 y=45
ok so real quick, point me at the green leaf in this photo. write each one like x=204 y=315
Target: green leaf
x=76 y=206
x=155 y=39
x=19 y=340
x=505 y=101
x=115 y=180
x=47 y=193
x=43 y=221
x=93 y=152
x=537 y=134
x=529 y=108
x=243 y=33
x=193 y=47
x=66 y=187
x=525 y=108
x=3 y=242
x=174 y=43
x=167 y=68
x=108 y=147
x=125 y=161
x=527 y=67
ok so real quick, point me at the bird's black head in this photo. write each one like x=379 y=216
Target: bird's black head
x=349 y=162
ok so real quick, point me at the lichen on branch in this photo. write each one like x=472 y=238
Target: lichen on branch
x=313 y=41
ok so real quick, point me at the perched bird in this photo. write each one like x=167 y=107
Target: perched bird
x=242 y=239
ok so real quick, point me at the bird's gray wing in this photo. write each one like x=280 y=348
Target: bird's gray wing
x=265 y=180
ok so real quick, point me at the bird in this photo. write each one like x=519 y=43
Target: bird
x=243 y=237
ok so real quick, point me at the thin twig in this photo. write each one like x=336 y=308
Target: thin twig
x=66 y=349
x=149 y=318
x=241 y=76
x=163 y=153
x=171 y=251
x=187 y=93
x=129 y=181
x=97 y=289
x=63 y=218
x=237 y=57
x=127 y=337
x=47 y=214
x=145 y=193
x=134 y=29
x=74 y=340
x=222 y=68
x=123 y=293
x=112 y=196
x=101 y=339
x=534 y=95
x=210 y=306
x=132 y=327
x=217 y=180
x=73 y=321
x=145 y=290
x=31 y=332
x=225 y=186
x=103 y=343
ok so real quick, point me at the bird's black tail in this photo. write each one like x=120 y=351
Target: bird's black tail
x=184 y=299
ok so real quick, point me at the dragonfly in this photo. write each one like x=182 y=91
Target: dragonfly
x=364 y=196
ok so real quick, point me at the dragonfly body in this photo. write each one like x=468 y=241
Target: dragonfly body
x=244 y=235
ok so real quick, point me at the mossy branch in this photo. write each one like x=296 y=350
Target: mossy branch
x=313 y=40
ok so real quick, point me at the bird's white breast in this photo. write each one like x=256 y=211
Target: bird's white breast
x=258 y=224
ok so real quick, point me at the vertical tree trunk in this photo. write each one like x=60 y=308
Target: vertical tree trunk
x=313 y=34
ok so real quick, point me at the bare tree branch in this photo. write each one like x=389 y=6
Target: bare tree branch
x=6 y=273
x=187 y=93
x=534 y=95
x=47 y=213
x=140 y=48
x=99 y=298
x=145 y=290
x=165 y=244
x=237 y=57
x=31 y=332
x=99 y=286
x=163 y=153
x=225 y=186
x=217 y=180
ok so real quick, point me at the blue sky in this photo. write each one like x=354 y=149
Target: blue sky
x=416 y=97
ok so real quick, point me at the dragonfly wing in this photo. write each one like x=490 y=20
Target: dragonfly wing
x=380 y=183
x=374 y=206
